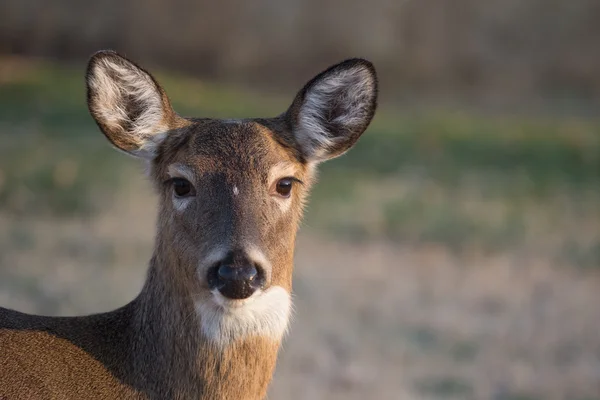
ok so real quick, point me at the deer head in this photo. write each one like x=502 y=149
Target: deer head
x=231 y=191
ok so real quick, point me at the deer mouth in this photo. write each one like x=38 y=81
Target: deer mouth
x=226 y=303
x=264 y=314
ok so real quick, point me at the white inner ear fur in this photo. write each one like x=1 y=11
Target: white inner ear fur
x=265 y=314
x=282 y=170
x=352 y=90
x=113 y=86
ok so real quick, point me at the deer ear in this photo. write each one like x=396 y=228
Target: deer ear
x=331 y=112
x=129 y=106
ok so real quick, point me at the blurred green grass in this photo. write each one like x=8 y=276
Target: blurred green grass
x=462 y=179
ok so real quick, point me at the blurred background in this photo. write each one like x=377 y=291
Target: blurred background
x=466 y=221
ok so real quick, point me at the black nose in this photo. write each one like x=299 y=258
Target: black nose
x=236 y=282
x=230 y=273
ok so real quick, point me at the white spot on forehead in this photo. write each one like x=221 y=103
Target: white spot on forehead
x=236 y=191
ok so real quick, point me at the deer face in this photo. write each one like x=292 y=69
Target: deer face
x=231 y=191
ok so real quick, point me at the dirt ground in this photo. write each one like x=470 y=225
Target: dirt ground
x=372 y=320
x=384 y=322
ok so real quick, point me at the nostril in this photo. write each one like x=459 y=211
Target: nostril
x=235 y=281
x=230 y=273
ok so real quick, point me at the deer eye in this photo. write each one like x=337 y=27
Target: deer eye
x=284 y=187
x=182 y=187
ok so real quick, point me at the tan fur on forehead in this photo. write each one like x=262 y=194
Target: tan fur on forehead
x=289 y=165
x=203 y=144
x=275 y=133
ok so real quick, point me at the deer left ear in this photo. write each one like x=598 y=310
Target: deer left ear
x=331 y=112
x=129 y=106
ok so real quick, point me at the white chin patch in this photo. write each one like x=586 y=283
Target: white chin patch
x=265 y=314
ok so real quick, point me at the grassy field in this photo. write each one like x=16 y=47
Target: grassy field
x=445 y=177
x=470 y=243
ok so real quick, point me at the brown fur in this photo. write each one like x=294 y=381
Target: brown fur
x=153 y=348
x=148 y=349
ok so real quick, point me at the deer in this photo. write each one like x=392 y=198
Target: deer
x=216 y=303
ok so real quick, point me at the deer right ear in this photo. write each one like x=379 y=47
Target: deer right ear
x=129 y=106
x=332 y=110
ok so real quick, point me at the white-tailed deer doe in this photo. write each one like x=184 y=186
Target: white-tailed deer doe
x=210 y=318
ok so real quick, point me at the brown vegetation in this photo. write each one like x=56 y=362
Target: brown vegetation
x=490 y=49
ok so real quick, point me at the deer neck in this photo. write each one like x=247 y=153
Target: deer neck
x=173 y=358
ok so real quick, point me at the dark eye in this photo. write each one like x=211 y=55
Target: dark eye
x=284 y=187
x=182 y=187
